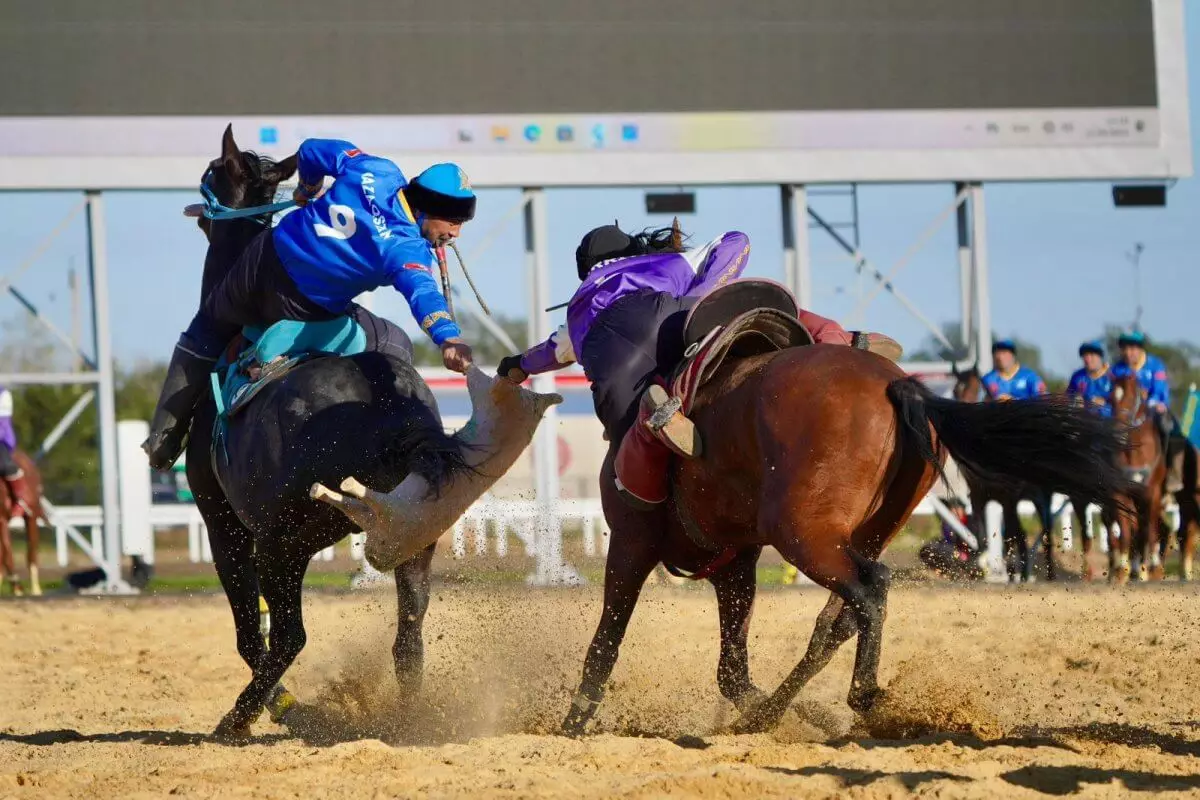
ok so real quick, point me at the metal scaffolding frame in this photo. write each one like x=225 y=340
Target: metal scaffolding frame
x=799 y=218
x=99 y=375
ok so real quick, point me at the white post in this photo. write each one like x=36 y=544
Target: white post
x=548 y=528
x=106 y=395
x=796 y=253
x=137 y=536
x=993 y=517
x=983 y=342
x=966 y=268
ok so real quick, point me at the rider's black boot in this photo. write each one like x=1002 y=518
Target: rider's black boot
x=186 y=377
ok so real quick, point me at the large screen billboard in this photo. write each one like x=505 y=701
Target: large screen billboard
x=129 y=93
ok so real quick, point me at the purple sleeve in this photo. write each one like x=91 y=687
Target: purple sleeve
x=725 y=262
x=554 y=353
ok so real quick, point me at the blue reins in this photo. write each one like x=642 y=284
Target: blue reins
x=215 y=210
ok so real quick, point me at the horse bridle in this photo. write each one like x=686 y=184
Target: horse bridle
x=215 y=210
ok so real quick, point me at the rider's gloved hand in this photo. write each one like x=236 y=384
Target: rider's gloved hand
x=456 y=355
x=510 y=367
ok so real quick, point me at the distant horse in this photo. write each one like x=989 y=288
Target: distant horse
x=968 y=387
x=822 y=452
x=31 y=502
x=1145 y=464
x=369 y=414
x=1188 y=499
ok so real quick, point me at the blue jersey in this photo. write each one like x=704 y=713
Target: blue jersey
x=1021 y=385
x=1093 y=390
x=1151 y=376
x=360 y=235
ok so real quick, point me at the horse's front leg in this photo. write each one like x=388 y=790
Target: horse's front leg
x=412 y=601
x=632 y=555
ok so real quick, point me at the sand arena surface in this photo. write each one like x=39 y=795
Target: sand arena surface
x=1045 y=690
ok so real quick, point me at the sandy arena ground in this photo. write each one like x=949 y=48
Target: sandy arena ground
x=1002 y=693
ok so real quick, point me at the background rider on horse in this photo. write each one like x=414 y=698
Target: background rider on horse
x=1008 y=380
x=625 y=328
x=12 y=474
x=372 y=228
x=1151 y=375
x=1092 y=383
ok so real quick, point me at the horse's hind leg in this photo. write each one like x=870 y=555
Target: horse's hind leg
x=858 y=604
x=281 y=575
x=412 y=601
x=8 y=568
x=735 y=587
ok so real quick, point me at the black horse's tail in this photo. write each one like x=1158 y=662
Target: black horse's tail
x=420 y=445
x=1046 y=442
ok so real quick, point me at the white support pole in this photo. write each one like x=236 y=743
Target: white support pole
x=137 y=535
x=550 y=568
x=983 y=342
x=106 y=395
x=993 y=517
x=797 y=256
x=966 y=289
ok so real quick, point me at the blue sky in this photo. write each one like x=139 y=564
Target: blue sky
x=1056 y=254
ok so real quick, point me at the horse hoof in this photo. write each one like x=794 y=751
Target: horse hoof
x=864 y=701
x=232 y=732
x=759 y=719
x=750 y=699
x=279 y=704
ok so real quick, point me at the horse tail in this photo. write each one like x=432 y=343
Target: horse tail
x=1047 y=441
x=420 y=445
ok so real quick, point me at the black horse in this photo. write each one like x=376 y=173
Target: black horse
x=369 y=415
x=1018 y=559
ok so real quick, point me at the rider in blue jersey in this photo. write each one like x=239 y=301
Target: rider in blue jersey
x=1092 y=383
x=1151 y=375
x=370 y=228
x=1008 y=380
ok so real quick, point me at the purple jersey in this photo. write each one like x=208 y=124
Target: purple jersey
x=695 y=273
x=8 y=436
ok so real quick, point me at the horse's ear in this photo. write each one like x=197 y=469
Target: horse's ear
x=231 y=154
x=282 y=170
x=676 y=235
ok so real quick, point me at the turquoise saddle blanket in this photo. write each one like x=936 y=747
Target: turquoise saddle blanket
x=274 y=352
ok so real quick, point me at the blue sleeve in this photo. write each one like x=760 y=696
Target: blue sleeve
x=411 y=271
x=1037 y=386
x=1160 y=389
x=318 y=158
x=1077 y=384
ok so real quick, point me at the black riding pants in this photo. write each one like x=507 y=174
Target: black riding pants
x=636 y=339
x=8 y=464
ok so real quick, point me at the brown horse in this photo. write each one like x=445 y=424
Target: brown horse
x=968 y=387
x=1145 y=464
x=822 y=452
x=32 y=508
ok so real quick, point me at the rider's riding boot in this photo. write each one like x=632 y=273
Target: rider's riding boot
x=878 y=343
x=661 y=414
x=16 y=487
x=645 y=452
x=186 y=378
x=1175 y=471
x=641 y=467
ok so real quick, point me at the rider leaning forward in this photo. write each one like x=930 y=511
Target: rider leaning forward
x=625 y=328
x=371 y=228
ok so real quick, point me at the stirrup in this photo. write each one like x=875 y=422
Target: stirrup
x=668 y=424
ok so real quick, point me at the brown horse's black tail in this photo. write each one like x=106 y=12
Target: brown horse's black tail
x=1046 y=442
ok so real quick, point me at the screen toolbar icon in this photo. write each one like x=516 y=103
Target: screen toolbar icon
x=533 y=133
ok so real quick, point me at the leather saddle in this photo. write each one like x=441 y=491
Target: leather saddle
x=745 y=318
